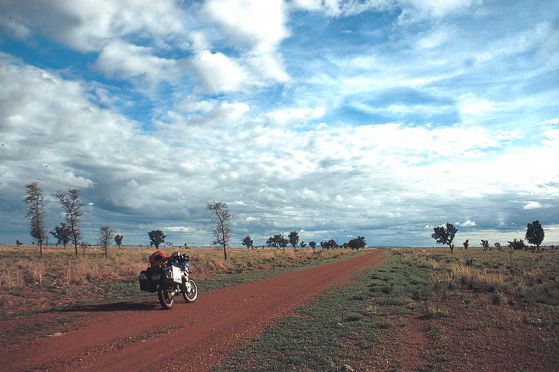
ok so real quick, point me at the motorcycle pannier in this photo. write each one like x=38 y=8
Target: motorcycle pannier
x=146 y=284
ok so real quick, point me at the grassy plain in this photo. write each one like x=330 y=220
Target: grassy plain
x=28 y=283
x=425 y=309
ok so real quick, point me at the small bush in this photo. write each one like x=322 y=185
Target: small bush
x=517 y=244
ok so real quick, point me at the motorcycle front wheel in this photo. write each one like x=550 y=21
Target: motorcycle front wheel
x=190 y=291
x=165 y=295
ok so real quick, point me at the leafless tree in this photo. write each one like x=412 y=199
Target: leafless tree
x=36 y=213
x=73 y=211
x=222 y=228
x=105 y=237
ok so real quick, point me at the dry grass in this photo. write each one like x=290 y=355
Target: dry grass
x=426 y=262
x=20 y=266
x=29 y=283
x=504 y=274
x=461 y=276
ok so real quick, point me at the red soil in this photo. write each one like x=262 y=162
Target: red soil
x=190 y=337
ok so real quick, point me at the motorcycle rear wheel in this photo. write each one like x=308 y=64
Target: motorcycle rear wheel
x=165 y=296
x=190 y=296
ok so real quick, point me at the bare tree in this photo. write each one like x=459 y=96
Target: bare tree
x=222 y=228
x=73 y=211
x=105 y=237
x=36 y=213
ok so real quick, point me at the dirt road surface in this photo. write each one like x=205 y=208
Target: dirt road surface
x=190 y=337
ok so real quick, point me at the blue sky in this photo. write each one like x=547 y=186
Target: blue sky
x=334 y=118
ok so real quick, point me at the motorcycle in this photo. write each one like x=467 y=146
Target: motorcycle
x=169 y=278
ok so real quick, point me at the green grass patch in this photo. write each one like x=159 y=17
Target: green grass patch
x=340 y=326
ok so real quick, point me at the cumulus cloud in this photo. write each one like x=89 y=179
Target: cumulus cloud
x=131 y=39
x=466 y=223
x=259 y=25
x=314 y=179
x=218 y=73
x=89 y=25
x=119 y=60
x=256 y=29
x=532 y=205
x=291 y=129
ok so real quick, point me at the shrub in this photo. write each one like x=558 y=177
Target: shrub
x=517 y=244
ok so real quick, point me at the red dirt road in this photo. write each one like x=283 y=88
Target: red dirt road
x=190 y=337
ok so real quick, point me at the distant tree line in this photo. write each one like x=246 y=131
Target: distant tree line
x=534 y=235
x=279 y=241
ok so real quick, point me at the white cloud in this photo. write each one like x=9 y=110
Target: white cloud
x=414 y=10
x=132 y=37
x=16 y=27
x=467 y=223
x=551 y=137
x=178 y=229
x=471 y=106
x=218 y=73
x=435 y=38
x=337 y=8
x=255 y=28
x=438 y=115
x=258 y=24
x=205 y=114
x=119 y=59
x=289 y=116
x=532 y=205
x=89 y=25
x=266 y=68
x=553 y=121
